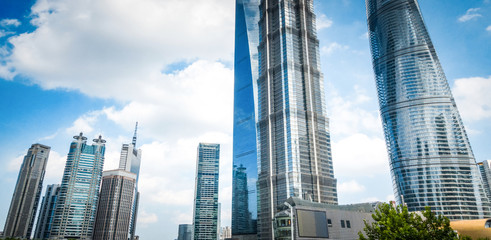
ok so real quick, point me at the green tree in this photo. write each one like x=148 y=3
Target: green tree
x=397 y=223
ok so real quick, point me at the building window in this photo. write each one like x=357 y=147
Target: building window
x=348 y=224
x=329 y=222
x=342 y=224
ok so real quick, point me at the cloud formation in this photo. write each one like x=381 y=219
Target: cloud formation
x=10 y=22
x=488 y=28
x=350 y=187
x=473 y=98
x=323 y=22
x=472 y=13
x=109 y=49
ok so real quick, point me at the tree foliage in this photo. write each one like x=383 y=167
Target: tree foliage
x=397 y=223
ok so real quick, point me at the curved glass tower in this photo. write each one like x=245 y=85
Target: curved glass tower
x=431 y=160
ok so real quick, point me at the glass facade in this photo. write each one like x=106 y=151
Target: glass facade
x=244 y=194
x=431 y=160
x=294 y=152
x=485 y=169
x=130 y=161
x=206 y=207
x=48 y=206
x=27 y=192
x=79 y=192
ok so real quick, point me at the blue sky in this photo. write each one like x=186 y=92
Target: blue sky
x=99 y=66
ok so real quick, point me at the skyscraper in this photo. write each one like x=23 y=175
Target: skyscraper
x=115 y=205
x=431 y=160
x=48 y=206
x=294 y=154
x=23 y=207
x=185 y=232
x=244 y=200
x=130 y=161
x=206 y=207
x=79 y=192
x=485 y=169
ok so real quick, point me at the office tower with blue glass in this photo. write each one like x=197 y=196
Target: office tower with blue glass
x=431 y=159
x=47 y=211
x=485 y=169
x=185 y=232
x=115 y=205
x=294 y=150
x=27 y=192
x=206 y=207
x=244 y=192
x=130 y=161
x=79 y=192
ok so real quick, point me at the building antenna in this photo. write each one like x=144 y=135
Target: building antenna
x=134 y=136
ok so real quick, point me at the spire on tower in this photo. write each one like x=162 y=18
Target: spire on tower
x=134 y=136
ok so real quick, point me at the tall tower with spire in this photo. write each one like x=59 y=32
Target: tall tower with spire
x=294 y=148
x=130 y=161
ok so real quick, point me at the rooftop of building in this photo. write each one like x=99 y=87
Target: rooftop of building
x=358 y=207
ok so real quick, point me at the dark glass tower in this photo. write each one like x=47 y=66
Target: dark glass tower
x=294 y=153
x=48 y=206
x=22 y=211
x=244 y=194
x=431 y=160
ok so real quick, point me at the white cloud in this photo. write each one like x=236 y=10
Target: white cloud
x=349 y=116
x=473 y=98
x=84 y=123
x=350 y=187
x=10 y=22
x=118 y=49
x=14 y=164
x=323 y=22
x=360 y=155
x=146 y=218
x=333 y=47
x=472 y=13
x=488 y=28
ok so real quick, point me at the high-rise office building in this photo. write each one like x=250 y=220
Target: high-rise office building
x=185 y=232
x=25 y=200
x=130 y=161
x=79 y=192
x=206 y=207
x=294 y=150
x=485 y=169
x=244 y=193
x=47 y=211
x=431 y=160
x=115 y=205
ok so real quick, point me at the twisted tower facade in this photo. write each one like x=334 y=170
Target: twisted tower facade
x=431 y=159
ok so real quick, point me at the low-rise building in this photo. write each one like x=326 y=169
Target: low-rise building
x=301 y=220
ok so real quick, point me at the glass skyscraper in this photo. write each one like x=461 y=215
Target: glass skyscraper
x=47 y=211
x=294 y=152
x=130 y=161
x=206 y=207
x=79 y=192
x=25 y=200
x=244 y=193
x=431 y=160
x=485 y=169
